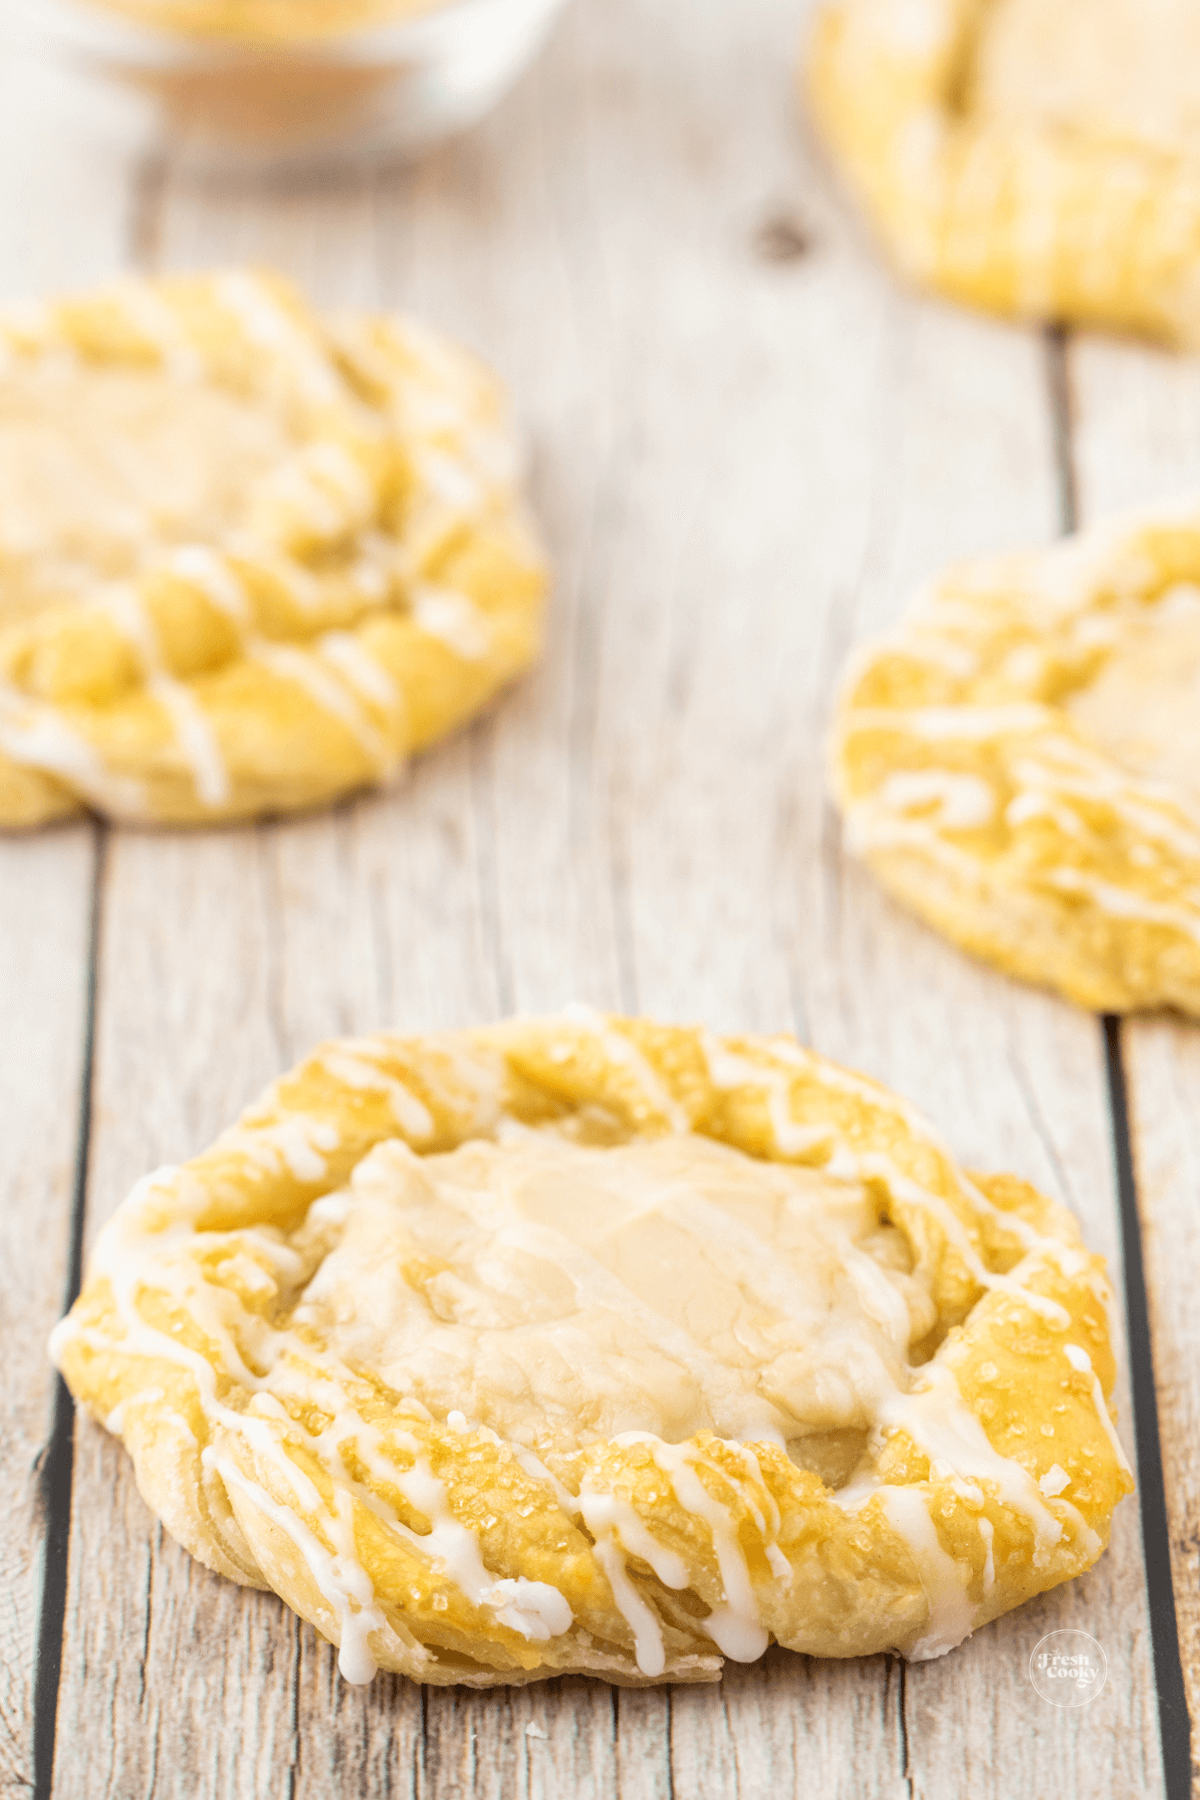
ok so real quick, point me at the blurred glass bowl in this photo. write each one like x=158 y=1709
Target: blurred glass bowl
x=282 y=85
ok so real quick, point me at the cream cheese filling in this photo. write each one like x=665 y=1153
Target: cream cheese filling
x=1123 y=70
x=1143 y=706
x=102 y=467
x=553 y=1291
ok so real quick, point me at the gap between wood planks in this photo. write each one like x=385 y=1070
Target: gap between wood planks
x=58 y=1467
x=1173 y=1717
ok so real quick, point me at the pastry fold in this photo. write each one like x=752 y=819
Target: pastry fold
x=434 y=1546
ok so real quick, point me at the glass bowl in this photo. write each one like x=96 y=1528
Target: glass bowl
x=283 y=85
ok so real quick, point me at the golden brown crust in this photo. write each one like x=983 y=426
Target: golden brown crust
x=382 y=582
x=912 y=1557
x=971 y=790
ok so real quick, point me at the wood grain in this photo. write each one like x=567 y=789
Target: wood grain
x=1137 y=443
x=743 y=460
x=46 y=887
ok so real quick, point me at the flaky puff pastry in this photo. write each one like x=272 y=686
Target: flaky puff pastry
x=1035 y=157
x=1019 y=762
x=249 y=560
x=274 y=1447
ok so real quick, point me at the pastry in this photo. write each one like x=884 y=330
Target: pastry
x=593 y=1344
x=249 y=559
x=1020 y=762
x=1037 y=157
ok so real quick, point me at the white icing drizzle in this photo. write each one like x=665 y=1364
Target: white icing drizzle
x=962 y=802
x=452 y=618
x=1164 y=815
x=606 y=1516
x=1102 y=592
x=308 y=672
x=1026 y=806
x=768 y=1523
x=342 y=1581
x=649 y=1649
x=301 y=586
x=196 y=739
x=940 y=1423
x=617 y=1532
x=115 y=1421
x=1081 y=1362
x=832 y=1075
x=356 y=665
x=728 y=1072
x=535 y=1467
x=449 y=479
x=1125 y=903
x=38 y=738
x=479 y=1071
x=735 y=1625
x=334 y=464
x=620 y=1049
x=193 y=734
x=412 y=1116
x=266 y=322
x=294 y=1143
x=882 y=1167
x=951 y=1614
x=296 y=486
x=200 y=566
x=532 y=1608
x=944 y=724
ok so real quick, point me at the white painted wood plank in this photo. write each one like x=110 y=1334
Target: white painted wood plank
x=69 y=212
x=1137 y=439
x=60 y=224
x=740 y=465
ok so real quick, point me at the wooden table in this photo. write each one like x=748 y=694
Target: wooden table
x=748 y=443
